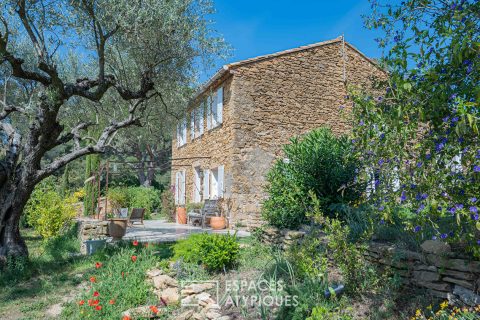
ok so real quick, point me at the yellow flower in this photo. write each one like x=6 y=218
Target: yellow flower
x=429 y=307
x=444 y=304
x=418 y=313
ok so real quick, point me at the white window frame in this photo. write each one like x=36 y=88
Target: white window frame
x=197 y=185
x=182 y=132
x=206 y=184
x=217 y=182
x=215 y=109
x=180 y=187
x=192 y=124
x=198 y=123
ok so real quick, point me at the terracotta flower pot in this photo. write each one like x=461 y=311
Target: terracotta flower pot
x=218 y=223
x=117 y=228
x=181 y=215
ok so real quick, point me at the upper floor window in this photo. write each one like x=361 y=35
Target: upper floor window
x=196 y=121
x=182 y=132
x=215 y=109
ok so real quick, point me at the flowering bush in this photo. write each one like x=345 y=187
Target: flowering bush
x=445 y=312
x=418 y=137
x=47 y=212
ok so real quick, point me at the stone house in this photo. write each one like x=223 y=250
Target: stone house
x=239 y=120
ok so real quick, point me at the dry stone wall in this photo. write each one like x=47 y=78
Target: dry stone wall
x=444 y=273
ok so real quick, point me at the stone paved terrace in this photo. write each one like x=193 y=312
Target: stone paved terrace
x=162 y=231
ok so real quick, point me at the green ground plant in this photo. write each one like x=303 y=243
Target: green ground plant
x=216 y=252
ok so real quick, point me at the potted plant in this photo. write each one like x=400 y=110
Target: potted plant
x=220 y=222
x=117 y=227
x=182 y=215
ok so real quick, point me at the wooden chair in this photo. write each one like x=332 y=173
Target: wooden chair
x=210 y=209
x=137 y=215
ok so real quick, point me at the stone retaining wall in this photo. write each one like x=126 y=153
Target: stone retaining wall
x=444 y=273
x=282 y=238
x=89 y=229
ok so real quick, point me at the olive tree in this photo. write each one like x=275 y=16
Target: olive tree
x=62 y=61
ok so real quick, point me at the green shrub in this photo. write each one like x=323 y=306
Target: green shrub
x=118 y=197
x=143 y=197
x=135 y=197
x=216 y=252
x=346 y=255
x=319 y=162
x=47 y=212
x=308 y=257
x=168 y=204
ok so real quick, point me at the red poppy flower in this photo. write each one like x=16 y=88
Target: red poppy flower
x=95 y=302
x=98 y=265
x=134 y=258
x=98 y=308
x=82 y=302
x=90 y=302
x=96 y=294
x=135 y=243
x=126 y=318
x=93 y=279
x=154 y=309
x=112 y=301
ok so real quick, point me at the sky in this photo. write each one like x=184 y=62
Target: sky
x=258 y=27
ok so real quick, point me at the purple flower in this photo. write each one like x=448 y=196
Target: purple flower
x=424 y=196
x=474 y=216
x=341 y=107
x=459 y=206
x=455 y=119
x=473 y=199
x=380 y=98
x=428 y=156
x=443 y=236
x=361 y=123
x=439 y=146
x=382 y=221
x=419 y=164
x=473 y=209
x=469 y=69
x=422 y=206
x=453 y=96
x=417 y=229
x=476 y=169
x=380 y=162
x=452 y=210
x=434 y=238
x=381 y=208
x=478 y=242
x=444 y=194
x=403 y=197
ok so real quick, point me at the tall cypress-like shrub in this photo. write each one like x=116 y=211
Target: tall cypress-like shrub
x=92 y=163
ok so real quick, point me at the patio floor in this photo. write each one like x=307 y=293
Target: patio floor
x=162 y=231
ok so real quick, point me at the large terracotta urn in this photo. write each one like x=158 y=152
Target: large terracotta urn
x=218 y=223
x=117 y=228
x=182 y=215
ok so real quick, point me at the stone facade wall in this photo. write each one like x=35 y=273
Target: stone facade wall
x=210 y=150
x=266 y=102
x=282 y=97
x=444 y=273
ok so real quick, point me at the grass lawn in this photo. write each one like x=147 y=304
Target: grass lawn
x=50 y=277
